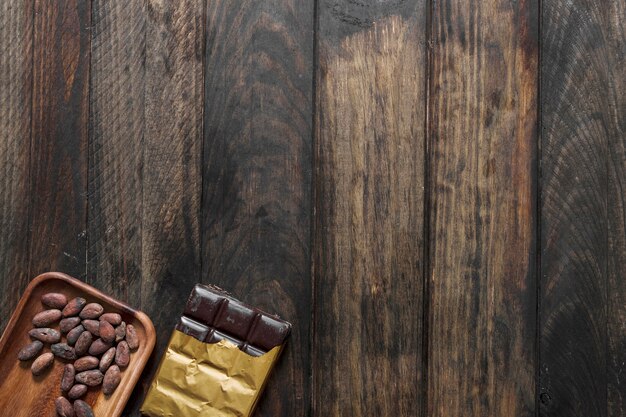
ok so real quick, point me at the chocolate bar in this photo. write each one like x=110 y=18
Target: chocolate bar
x=218 y=359
x=212 y=315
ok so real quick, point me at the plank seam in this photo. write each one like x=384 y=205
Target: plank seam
x=313 y=202
x=205 y=24
x=89 y=139
x=427 y=213
x=313 y=206
x=142 y=144
x=538 y=236
x=607 y=258
x=29 y=210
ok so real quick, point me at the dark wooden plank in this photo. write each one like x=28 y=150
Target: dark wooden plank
x=369 y=201
x=616 y=307
x=60 y=112
x=172 y=175
x=145 y=159
x=257 y=172
x=582 y=289
x=16 y=30
x=482 y=128
x=117 y=128
x=46 y=165
x=172 y=181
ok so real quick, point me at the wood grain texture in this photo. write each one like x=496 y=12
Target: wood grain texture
x=257 y=172
x=59 y=136
x=366 y=169
x=117 y=128
x=616 y=307
x=145 y=159
x=583 y=293
x=16 y=30
x=369 y=191
x=482 y=132
x=172 y=174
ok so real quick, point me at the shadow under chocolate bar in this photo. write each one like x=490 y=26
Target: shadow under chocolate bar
x=212 y=315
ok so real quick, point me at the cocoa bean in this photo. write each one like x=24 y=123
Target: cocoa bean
x=69 y=323
x=91 y=378
x=86 y=363
x=69 y=373
x=74 y=307
x=120 y=332
x=42 y=363
x=63 y=407
x=107 y=359
x=107 y=332
x=111 y=380
x=46 y=318
x=99 y=347
x=74 y=334
x=122 y=356
x=54 y=300
x=83 y=343
x=113 y=318
x=30 y=350
x=63 y=351
x=131 y=337
x=91 y=311
x=93 y=326
x=82 y=409
x=77 y=391
x=45 y=335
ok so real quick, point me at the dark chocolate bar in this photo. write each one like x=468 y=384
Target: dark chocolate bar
x=212 y=315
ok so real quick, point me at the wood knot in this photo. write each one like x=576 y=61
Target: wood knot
x=362 y=14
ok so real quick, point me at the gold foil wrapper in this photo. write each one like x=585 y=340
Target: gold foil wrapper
x=207 y=379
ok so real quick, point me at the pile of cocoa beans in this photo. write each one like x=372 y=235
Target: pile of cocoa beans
x=96 y=349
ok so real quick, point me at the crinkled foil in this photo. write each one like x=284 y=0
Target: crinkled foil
x=207 y=379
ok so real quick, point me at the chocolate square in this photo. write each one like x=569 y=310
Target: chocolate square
x=203 y=305
x=268 y=332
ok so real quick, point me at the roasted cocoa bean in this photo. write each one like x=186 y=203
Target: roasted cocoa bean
x=82 y=322
x=120 y=332
x=131 y=337
x=91 y=378
x=54 y=300
x=69 y=323
x=46 y=318
x=63 y=407
x=107 y=359
x=42 y=363
x=74 y=307
x=122 y=355
x=82 y=409
x=86 y=363
x=112 y=379
x=67 y=381
x=91 y=311
x=45 y=335
x=77 y=391
x=74 y=334
x=107 y=332
x=83 y=343
x=63 y=351
x=113 y=318
x=93 y=326
x=30 y=350
x=98 y=347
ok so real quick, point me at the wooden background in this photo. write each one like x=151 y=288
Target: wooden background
x=432 y=191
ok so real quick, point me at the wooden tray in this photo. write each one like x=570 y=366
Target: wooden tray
x=22 y=394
